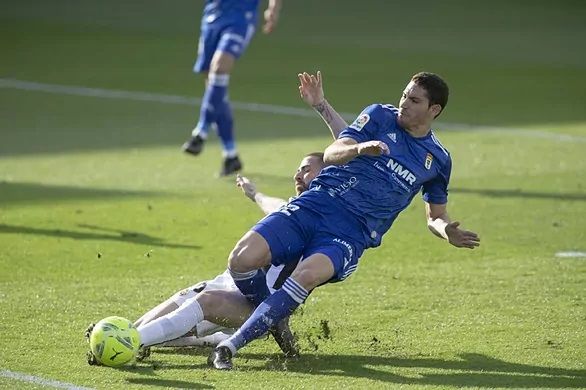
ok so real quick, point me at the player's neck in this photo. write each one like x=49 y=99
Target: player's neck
x=419 y=131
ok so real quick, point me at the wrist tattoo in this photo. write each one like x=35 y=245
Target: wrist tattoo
x=324 y=111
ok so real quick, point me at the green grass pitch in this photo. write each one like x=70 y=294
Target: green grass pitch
x=101 y=214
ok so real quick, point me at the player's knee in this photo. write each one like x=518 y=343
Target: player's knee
x=243 y=259
x=250 y=253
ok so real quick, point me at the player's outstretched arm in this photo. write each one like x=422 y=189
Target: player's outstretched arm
x=312 y=93
x=271 y=15
x=439 y=223
x=267 y=204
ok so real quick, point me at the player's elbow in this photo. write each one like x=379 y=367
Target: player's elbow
x=334 y=156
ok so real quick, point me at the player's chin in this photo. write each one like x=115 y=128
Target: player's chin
x=300 y=188
x=402 y=120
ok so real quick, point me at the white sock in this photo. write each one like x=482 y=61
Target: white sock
x=173 y=325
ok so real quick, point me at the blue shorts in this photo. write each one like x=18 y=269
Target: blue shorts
x=295 y=232
x=228 y=35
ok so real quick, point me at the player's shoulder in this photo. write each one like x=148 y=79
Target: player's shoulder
x=377 y=114
x=441 y=151
x=382 y=110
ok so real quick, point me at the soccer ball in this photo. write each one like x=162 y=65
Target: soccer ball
x=114 y=341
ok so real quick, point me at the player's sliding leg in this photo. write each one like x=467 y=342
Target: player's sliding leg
x=158 y=311
x=311 y=272
x=225 y=308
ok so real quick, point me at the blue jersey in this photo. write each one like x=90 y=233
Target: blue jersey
x=230 y=8
x=375 y=189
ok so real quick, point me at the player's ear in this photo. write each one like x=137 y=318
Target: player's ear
x=435 y=109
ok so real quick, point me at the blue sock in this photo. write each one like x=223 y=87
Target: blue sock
x=215 y=108
x=253 y=285
x=225 y=125
x=207 y=111
x=276 y=307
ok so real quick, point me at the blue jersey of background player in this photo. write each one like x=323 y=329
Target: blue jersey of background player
x=381 y=162
x=227 y=26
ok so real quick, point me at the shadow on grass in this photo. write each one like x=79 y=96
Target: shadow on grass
x=18 y=193
x=518 y=193
x=166 y=383
x=469 y=370
x=115 y=235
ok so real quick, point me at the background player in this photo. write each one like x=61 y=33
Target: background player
x=380 y=162
x=227 y=26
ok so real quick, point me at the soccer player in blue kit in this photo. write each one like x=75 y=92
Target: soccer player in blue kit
x=227 y=27
x=378 y=164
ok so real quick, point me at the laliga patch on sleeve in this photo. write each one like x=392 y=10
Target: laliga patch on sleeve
x=359 y=122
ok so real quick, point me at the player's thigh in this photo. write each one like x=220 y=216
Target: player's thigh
x=313 y=271
x=234 y=40
x=343 y=254
x=286 y=232
x=228 y=308
x=206 y=48
x=222 y=63
x=251 y=252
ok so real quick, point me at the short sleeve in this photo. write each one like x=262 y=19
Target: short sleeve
x=367 y=125
x=436 y=190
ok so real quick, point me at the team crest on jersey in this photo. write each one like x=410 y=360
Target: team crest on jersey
x=359 y=123
x=393 y=137
x=428 y=160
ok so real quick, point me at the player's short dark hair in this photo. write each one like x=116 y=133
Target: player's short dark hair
x=436 y=88
x=319 y=155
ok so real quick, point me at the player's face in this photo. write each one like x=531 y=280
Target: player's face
x=308 y=169
x=414 y=108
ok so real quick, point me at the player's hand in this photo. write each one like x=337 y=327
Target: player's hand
x=271 y=18
x=311 y=88
x=247 y=186
x=461 y=238
x=373 y=148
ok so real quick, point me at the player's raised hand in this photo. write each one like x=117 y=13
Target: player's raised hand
x=247 y=187
x=373 y=148
x=461 y=238
x=271 y=15
x=311 y=88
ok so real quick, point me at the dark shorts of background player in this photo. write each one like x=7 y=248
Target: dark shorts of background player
x=299 y=232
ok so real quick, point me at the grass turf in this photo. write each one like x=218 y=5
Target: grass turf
x=101 y=215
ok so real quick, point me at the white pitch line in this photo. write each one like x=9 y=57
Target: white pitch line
x=570 y=254
x=252 y=107
x=19 y=376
